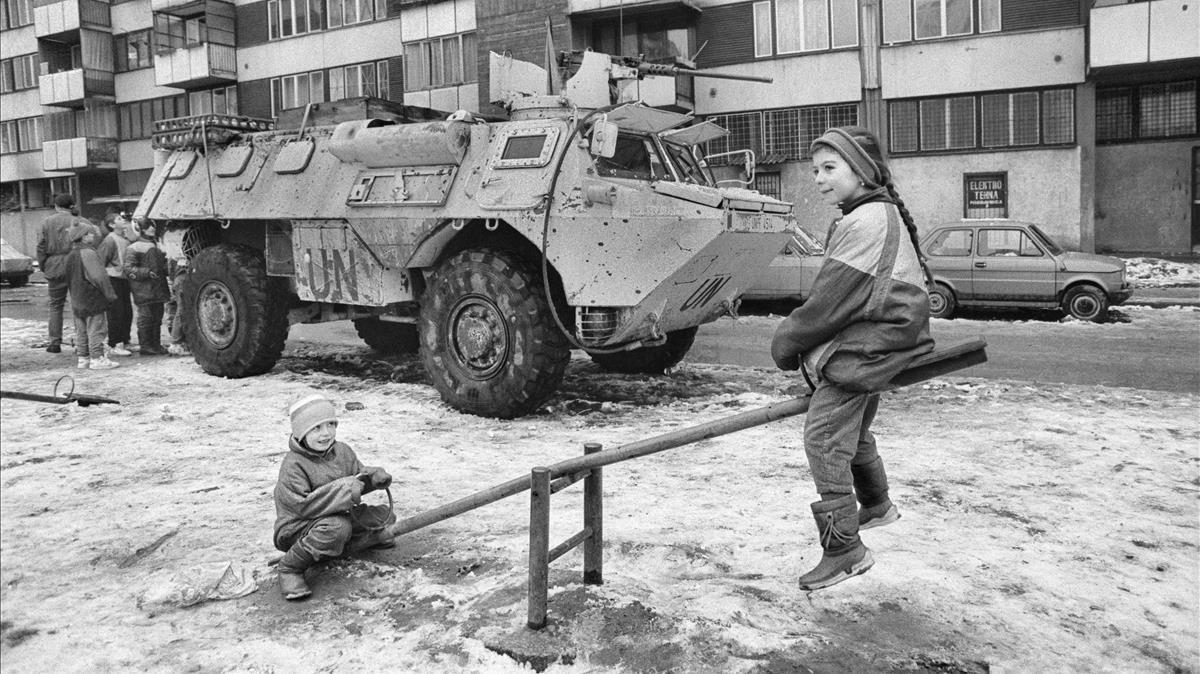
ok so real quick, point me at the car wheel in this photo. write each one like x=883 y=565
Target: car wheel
x=649 y=359
x=488 y=339
x=387 y=337
x=941 y=301
x=234 y=316
x=1087 y=303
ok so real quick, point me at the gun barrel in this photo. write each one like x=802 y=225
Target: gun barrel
x=660 y=69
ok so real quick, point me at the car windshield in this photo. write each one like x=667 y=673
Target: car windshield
x=1045 y=240
x=689 y=170
x=635 y=157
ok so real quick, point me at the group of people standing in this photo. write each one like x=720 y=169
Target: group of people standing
x=106 y=271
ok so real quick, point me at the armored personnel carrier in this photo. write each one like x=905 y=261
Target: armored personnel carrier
x=491 y=247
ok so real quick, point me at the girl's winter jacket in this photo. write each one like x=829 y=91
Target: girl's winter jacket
x=146 y=269
x=868 y=316
x=91 y=292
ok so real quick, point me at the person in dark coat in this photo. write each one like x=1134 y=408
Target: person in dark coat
x=146 y=269
x=53 y=246
x=91 y=294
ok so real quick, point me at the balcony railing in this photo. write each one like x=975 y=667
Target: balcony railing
x=196 y=65
x=69 y=89
x=1143 y=32
x=78 y=154
x=52 y=17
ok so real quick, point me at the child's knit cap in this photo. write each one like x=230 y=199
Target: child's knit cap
x=853 y=152
x=310 y=412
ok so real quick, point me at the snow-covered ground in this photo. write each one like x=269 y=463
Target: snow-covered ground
x=1044 y=528
x=1151 y=272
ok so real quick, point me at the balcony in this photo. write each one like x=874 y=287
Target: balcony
x=195 y=66
x=54 y=18
x=70 y=88
x=79 y=154
x=1143 y=32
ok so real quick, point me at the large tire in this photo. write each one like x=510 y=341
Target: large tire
x=387 y=336
x=488 y=339
x=941 y=301
x=1087 y=303
x=649 y=359
x=234 y=320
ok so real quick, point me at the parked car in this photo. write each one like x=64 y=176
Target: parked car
x=15 y=266
x=791 y=273
x=1005 y=263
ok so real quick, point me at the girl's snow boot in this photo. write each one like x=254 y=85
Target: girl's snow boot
x=871 y=486
x=844 y=554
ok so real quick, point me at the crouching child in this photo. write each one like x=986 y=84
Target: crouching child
x=318 y=509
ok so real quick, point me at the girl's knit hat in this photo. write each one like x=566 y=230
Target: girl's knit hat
x=840 y=141
x=310 y=412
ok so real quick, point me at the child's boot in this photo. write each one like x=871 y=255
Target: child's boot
x=871 y=486
x=844 y=554
x=291 y=573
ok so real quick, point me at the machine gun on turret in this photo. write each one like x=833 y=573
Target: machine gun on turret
x=636 y=67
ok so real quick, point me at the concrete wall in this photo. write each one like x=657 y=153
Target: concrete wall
x=932 y=188
x=1143 y=196
x=20 y=229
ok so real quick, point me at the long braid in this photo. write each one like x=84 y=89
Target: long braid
x=912 y=229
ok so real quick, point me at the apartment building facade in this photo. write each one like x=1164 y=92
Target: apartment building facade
x=1076 y=114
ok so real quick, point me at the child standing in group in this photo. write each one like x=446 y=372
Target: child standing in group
x=146 y=269
x=319 y=514
x=178 y=269
x=91 y=293
x=120 y=312
x=866 y=320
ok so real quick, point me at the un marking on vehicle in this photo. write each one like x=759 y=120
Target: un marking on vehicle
x=337 y=276
x=704 y=294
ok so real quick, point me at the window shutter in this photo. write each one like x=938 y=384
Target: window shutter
x=395 y=78
x=729 y=32
x=251 y=24
x=1022 y=14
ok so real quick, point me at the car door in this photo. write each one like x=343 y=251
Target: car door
x=1009 y=265
x=948 y=254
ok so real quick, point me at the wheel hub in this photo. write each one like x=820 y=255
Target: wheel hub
x=480 y=337
x=217 y=314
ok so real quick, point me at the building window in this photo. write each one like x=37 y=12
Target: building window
x=929 y=19
x=19 y=73
x=221 y=101
x=136 y=120
x=132 y=51
x=1149 y=111
x=993 y=120
x=294 y=91
x=779 y=135
x=769 y=184
x=440 y=62
x=21 y=135
x=286 y=18
x=793 y=26
x=350 y=12
x=17 y=13
x=655 y=39
x=365 y=79
x=174 y=32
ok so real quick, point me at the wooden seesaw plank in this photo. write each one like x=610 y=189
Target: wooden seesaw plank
x=938 y=362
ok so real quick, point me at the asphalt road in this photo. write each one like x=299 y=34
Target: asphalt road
x=1026 y=346
x=1021 y=346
